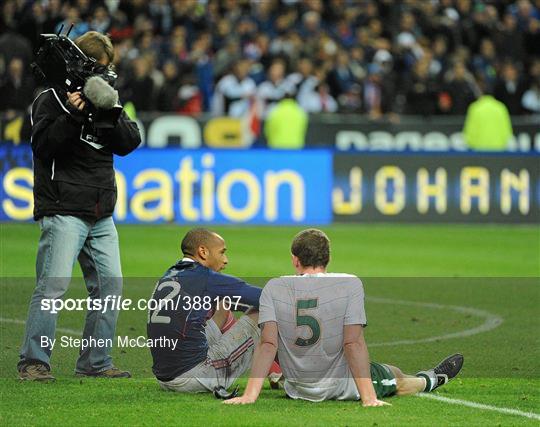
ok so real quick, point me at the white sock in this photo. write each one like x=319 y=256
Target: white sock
x=431 y=379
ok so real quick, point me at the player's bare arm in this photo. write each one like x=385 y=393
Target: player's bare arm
x=357 y=356
x=263 y=357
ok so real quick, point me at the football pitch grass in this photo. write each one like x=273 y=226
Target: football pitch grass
x=431 y=291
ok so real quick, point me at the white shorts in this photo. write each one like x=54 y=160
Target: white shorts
x=333 y=389
x=343 y=388
x=229 y=356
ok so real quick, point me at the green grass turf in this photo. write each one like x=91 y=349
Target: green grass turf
x=491 y=268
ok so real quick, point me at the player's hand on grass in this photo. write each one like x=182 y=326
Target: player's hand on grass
x=375 y=402
x=242 y=400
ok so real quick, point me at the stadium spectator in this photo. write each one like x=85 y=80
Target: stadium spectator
x=534 y=71
x=377 y=96
x=510 y=88
x=259 y=49
x=342 y=38
x=235 y=91
x=302 y=79
x=9 y=17
x=461 y=87
x=509 y=39
x=264 y=16
x=18 y=89
x=101 y=21
x=317 y=98
x=290 y=43
x=139 y=88
x=203 y=70
x=226 y=56
x=341 y=79
x=54 y=14
x=524 y=13
x=421 y=91
x=440 y=55
x=531 y=98
x=167 y=98
x=343 y=31
x=485 y=62
x=134 y=8
x=160 y=13
x=407 y=41
x=358 y=63
x=73 y=17
x=33 y=24
x=311 y=25
x=13 y=45
x=275 y=88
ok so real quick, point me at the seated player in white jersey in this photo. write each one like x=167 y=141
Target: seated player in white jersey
x=314 y=321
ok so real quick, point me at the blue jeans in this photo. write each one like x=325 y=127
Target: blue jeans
x=64 y=239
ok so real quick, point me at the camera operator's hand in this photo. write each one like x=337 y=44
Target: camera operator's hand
x=75 y=99
x=75 y=104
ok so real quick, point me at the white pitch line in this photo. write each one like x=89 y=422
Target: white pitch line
x=22 y=322
x=491 y=321
x=461 y=402
x=482 y=406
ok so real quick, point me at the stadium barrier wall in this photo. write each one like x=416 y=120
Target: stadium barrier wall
x=337 y=131
x=411 y=133
x=315 y=186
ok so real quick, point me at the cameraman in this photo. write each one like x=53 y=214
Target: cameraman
x=74 y=196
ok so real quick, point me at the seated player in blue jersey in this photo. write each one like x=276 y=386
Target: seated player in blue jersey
x=197 y=353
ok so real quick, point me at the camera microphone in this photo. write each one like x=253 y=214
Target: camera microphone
x=100 y=93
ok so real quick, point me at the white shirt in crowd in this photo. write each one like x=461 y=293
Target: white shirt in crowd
x=232 y=97
x=270 y=93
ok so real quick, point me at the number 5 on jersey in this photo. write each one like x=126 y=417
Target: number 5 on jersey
x=303 y=319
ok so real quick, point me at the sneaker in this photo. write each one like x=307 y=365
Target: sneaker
x=108 y=373
x=448 y=369
x=36 y=372
x=442 y=373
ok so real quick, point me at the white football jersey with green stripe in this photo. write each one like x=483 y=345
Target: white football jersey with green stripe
x=311 y=311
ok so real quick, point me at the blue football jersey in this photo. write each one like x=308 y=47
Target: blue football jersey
x=182 y=299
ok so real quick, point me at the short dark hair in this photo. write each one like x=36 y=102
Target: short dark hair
x=194 y=238
x=312 y=247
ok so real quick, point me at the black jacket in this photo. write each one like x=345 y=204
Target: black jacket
x=73 y=165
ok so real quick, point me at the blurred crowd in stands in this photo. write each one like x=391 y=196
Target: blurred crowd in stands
x=375 y=57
